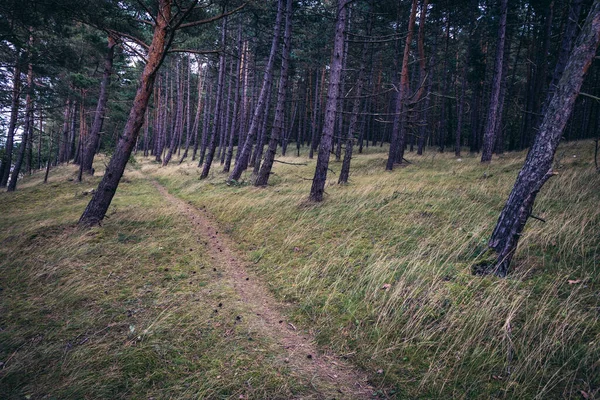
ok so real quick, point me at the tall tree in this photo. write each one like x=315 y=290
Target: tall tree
x=216 y=127
x=261 y=105
x=165 y=24
x=27 y=129
x=94 y=137
x=14 y=112
x=318 y=184
x=538 y=164
x=489 y=138
x=398 y=130
x=278 y=125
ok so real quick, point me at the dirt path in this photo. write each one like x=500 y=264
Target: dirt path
x=329 y=375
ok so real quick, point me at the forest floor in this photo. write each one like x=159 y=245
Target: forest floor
x=180 y=293
x=328 y=374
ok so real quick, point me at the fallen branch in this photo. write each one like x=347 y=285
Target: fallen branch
x=289 y=163
x=538 y=218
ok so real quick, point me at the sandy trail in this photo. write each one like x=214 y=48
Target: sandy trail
x=330 y=376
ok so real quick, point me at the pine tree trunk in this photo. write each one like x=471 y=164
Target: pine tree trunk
x=216 y=128
x=538 y=165
x=265 y=169
x=236 y=98
x=491 y=128
x=27 y=130
x=98 y=206
x=14 y=113
x=188 y=113
x=94 y=138
x=178 y=130
x=398 y=132
x=199 y=106
x=242 y=162
x=352 y=127
x=206 y=126
x=318 y=185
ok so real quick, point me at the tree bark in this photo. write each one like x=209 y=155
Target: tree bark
x=265 y=169
x=397 y=139
x=320 y=177
x=94 y=138
x=538 y=164
x=14 y=113
x=217 y=110
x=27 y=130
x=345 y=171
x=489 y=138
x=242 y=162
x=236 y=98
x=98 y=206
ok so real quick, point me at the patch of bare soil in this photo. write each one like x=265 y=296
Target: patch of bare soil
x=330 y=376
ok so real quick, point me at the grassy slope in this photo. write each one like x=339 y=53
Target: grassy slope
x=436 y=330
x=122 y=311
x=379 y=272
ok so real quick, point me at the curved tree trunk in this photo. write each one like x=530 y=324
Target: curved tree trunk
x=98 y=206
x=538 y=165
x=94 y=138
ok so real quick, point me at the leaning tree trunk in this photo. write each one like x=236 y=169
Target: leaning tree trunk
x=318 y=184
x=565 y=47
x=14 y=113
x=27 y=131
x=538 y=165
x=265 y=169
x=94 y=137
x=98 y=206
x=489 y=138
x=242 y=162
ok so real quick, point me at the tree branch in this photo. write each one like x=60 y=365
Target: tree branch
x=212 y=19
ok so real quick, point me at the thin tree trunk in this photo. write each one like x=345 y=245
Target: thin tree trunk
x=49 y=158
x=206 y=125
x=397 y=140
x=236 y=97
x=261 y=105
x=14 y=113
x=318 y=185
x=345 y=171
x=265 y=169
x=538 y=165
x=314 y=128
x=178 y=130
x=199 y=106
x=218 y=104
x=188 y=112
x=94 y=138
x=489 y=138
x=27 y=129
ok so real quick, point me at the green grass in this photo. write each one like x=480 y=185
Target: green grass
x=122 y=311
x=380 y=272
